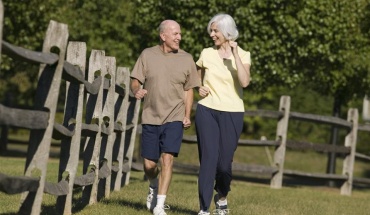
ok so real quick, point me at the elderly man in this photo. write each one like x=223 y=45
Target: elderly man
x=168 y=75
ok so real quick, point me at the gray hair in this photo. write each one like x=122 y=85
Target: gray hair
x=226 y=25
x=164 y=25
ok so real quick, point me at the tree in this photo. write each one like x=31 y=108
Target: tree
x=320 y=43
x=101 y=24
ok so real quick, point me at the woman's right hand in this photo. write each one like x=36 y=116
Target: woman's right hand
x=203 y=91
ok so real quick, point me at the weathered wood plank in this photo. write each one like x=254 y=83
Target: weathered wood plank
x=362 y=157
x=364 y=127
x=361 y=181
x=73 y=111
x=21 y=118
x=121 y=106
x=46 y=97
x=315 y=175
x=106 y=149
x=90 y=130
x=299 y=145
x=18 y=184
x=29 y=56
x=236 y=167
x=94 y=106
x=241 y=142
x=61 y=132
x=85 y=180
x=132 y=119
x=57 y=189
x=281 y=136
x=74 y=74
x=189 y=138
x=349 y=160
x=330 y=120
x=264 y=113
x=244 y=142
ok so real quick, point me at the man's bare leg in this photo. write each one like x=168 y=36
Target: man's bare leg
x=166 y=173
x=151 y=172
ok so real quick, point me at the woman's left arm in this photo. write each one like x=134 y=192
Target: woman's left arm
x=243 y=70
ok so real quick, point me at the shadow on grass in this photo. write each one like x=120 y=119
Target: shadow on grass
x=140 y=207
x=21 y=151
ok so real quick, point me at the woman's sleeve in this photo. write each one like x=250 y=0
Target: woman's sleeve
x=246 y=57
x=200 y=60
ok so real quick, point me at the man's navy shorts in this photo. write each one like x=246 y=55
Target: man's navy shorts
x=156 y=139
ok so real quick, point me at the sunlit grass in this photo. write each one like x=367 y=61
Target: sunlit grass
x=248 y=197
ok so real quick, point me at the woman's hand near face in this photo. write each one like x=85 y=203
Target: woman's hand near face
x=234 y=46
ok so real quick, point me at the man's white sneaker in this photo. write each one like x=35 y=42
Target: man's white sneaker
x=204 y=213
x=160 y=210
x=151 y=199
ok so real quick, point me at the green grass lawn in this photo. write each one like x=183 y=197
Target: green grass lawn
x=252 y=197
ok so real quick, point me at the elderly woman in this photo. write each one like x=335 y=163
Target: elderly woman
x=225 y=71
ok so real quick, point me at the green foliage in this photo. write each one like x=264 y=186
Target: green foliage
x=302 y=100
x=102 y=25
x=324 y=44
x=319 y=48
x=26 y=28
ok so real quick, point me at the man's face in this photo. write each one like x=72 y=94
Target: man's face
x=171 y=37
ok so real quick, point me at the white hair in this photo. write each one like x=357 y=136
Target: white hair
x=226 y=25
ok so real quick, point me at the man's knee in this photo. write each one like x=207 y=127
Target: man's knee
x=150 y=164
x=167 y=159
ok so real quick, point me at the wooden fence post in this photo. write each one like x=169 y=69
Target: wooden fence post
x=281 y=135
x=349 y=160
x=94 y=106
x=121 y=105
x=108 y=119
x=47 y=94
x=70 y=147
x=4 y=129
x=132 y=120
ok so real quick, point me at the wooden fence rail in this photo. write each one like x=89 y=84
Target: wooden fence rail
x=277 y=170
x=100 y=119
x=103 y=123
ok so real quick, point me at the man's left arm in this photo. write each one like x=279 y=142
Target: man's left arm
x=188 y=100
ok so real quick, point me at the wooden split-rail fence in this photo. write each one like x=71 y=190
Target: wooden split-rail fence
x=105 y=119
x=108 y=124
x=277 y=171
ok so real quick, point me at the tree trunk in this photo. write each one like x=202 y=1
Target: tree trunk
x=333 y=139
x=5 y=129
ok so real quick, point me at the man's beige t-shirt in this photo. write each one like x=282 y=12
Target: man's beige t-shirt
x=221 y=78
x=165 y=76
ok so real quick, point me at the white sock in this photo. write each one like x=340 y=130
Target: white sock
x=222 y=202
x=153 y=183
x=160 y=200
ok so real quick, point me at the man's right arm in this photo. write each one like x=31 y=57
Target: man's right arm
x=136 y=89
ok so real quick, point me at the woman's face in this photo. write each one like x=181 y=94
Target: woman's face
x=216 y=35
